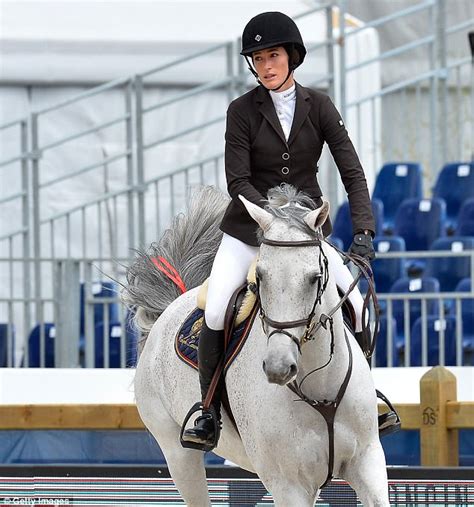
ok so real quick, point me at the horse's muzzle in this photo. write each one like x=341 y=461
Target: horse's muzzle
x=280 y=376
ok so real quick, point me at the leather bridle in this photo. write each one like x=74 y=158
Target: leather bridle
x=308 y=322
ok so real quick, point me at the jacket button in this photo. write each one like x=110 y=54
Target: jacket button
x=285 y=170
x=285 y=156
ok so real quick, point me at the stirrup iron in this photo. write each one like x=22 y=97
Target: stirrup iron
x=391 y=418
x=199 y=407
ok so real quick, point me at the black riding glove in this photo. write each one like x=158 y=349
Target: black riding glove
x=362 y=245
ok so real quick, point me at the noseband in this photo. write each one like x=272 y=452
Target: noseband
x=323 y=277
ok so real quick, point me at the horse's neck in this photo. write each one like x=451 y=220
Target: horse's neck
x=325 y=383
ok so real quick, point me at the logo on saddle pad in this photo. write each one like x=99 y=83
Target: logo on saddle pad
x=187 y=338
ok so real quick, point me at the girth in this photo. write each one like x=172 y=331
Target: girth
x=328 y=409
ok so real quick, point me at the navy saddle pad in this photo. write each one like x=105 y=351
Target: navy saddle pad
x=187 y=338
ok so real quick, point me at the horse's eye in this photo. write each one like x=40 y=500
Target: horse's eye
x=314 y=278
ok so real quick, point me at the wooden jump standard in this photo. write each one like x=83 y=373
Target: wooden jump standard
x=439 y=416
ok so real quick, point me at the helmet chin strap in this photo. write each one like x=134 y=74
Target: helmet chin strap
x=254 y=72
x=286 y=79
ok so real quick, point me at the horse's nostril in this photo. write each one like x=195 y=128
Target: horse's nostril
x=293 y=370
x=263 y=366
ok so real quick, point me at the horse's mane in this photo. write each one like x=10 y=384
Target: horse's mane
x=287 y=203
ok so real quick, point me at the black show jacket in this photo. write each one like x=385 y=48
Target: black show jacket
x=257 y=157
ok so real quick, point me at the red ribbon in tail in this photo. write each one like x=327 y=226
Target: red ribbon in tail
x=165 y=267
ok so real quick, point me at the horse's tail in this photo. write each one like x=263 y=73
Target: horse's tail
x=189 y=246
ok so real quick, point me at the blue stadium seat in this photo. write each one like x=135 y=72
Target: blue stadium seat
x=337 y=242
x=342 y=227
x=388 y=271
x=420 y=222
x=467 y=315
x=381 y=347
x=100 y=289
x=433 y=328
x=7 y=331
x=411 y=285
x=455 y=184
x=465 y=223
x=378 y=211
x=34 y=343
x=450 y=270
x=114 y=336
x=395 y=182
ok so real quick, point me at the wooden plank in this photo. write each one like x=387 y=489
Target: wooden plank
x=409 y=413
x=86 y=417
x=125 y=416
x=460 y=414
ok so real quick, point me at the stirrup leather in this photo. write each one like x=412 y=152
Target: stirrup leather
x=198 y=407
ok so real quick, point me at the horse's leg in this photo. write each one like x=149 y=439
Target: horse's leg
x=367 y=474
x=289 y=489
x=185 y=465
x=285 y=495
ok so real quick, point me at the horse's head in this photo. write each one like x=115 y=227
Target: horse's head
x=291 y=275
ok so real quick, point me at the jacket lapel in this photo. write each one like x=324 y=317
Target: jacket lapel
x=266 y=107
x=302 y=108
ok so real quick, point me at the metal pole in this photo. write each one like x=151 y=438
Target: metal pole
x=66 y=343
x=442 y=79
x=241 y=69
x=89 y=342
x=390 y=336
x=10 y=318
x=342 y=58
x=471 y=45
x=35 y=156
x=140 y=160
x=229 y=57
x=433 y=100
x=129 y=141
x=459 y=332
x=335 y=89
x=424 y=334
x=25 y=207
x=330 y=51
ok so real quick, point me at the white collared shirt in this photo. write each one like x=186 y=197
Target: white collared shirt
x=285 y=103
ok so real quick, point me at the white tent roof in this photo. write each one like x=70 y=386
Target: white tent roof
x=94 y=41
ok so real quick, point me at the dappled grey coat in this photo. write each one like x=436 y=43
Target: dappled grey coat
x=257 y=157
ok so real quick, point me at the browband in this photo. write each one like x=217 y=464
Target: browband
x=309 y=242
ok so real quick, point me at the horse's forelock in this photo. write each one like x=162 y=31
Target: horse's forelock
x=287 y=203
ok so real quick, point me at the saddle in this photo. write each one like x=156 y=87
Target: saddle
x=240 y=315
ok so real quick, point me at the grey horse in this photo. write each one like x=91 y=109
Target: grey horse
x=285 y=442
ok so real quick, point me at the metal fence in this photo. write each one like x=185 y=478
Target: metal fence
x=39 y=250
x=444 y=332
x=428 y=117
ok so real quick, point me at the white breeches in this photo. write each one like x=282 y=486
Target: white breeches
x=230 y=268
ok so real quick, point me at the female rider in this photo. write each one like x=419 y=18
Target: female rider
x=275 y=134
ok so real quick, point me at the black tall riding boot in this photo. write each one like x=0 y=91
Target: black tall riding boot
x=389 y=422
x=210 y=350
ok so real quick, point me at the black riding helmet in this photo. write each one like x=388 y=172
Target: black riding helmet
x=271 y=29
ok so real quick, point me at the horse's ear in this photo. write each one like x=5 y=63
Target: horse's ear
x=262 y=217
x=316 y=218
